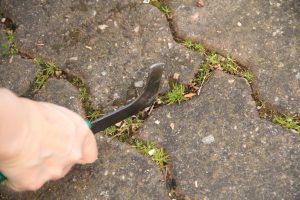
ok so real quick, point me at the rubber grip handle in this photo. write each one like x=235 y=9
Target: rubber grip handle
x=3 y=178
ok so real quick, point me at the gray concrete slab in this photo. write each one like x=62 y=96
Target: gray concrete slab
x=261 y=35
x=220 y=149
x=108 y=44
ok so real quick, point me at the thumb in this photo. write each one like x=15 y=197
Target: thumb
x=89 y=149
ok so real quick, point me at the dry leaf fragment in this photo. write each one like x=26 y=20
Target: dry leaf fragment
x=189 y=95
x=200 y=3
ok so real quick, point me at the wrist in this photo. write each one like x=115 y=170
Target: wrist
x=13 y=125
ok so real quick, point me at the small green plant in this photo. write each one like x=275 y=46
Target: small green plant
x=124 y=129
x=92 y=115
x=200 y=48
x=176 y=95
x=162 y=7
x=84 y=95
x=166 y=10
x=287 y=121
x=5 y=50
x=213 y=59
x=48 y=69
x=145 y=148
x=188 y=44
x=248 y=76
x=132 y=123
x=194 y=46
x=158 y=155
x=111 y=131
x=10 y=48
x=203 y=74
x=229 y=65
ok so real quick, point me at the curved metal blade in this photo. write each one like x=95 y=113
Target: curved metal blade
x=144 y=100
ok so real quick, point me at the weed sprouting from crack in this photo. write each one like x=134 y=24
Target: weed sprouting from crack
x=10 y=48
x=287 y=121
x=162 y=7
x=176 y=94
x=125 y=129
x=48 y=69
x=91 y=113
x=158 y=155
x=248 y=75
x=194 y=46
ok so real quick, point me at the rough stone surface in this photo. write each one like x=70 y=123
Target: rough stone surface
x=3 y=42
x=61 y=92
x=109 y=44
x=262 y=35
x=18 y=75
x=119 y=173
x=221 y=149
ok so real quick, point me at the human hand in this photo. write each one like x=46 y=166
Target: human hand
x=40 y=141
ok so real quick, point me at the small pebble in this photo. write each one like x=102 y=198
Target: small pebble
x=157 y=122
x=102 y=27
x=74 y=58
x=208 y=140
x=139 y=84
x=151 y=152
x=239 y=24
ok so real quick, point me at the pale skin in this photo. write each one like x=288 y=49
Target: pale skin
x=40 y=141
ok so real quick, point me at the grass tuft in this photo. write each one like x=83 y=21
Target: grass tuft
x=48 y=70
x=176 y=94
x=10 y=48
x=162 y=7
x=159 y=156
x=123 y=130
x=194 y=46
x=248 y=76
x=287 y=121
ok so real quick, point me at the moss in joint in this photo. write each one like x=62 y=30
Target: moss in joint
x=10 y=48
x=158 y=155
x=48 y=69
x=162 y=7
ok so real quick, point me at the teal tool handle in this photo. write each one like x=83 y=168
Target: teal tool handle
x=3 y=178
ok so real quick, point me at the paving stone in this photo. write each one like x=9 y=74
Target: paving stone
x=119 y=173
x=109 y=44
x=3 y=42
x=18 y=75
x=221 y=149
x=61 y=92
x=262 y=35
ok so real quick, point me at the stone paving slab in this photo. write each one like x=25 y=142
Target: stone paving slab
x=108 y=44
x=61 y=92
x=221 y=149
x=262 y=35
x=18 y=75
x=119 y=173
